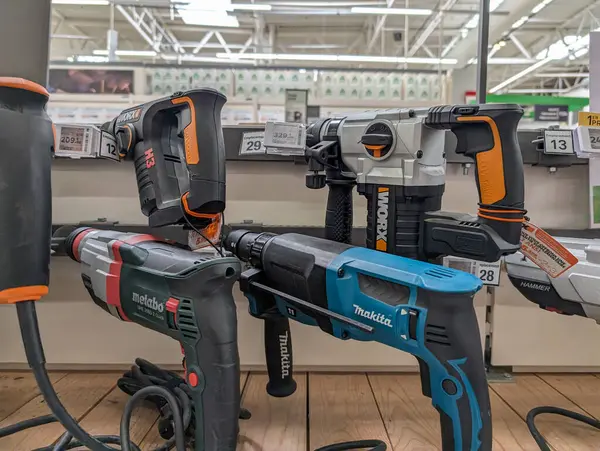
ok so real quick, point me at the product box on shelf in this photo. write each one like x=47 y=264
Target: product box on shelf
x=412 y=93
x=395 y=93
x=395 y=80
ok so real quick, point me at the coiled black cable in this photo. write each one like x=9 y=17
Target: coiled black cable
x=369 y=445
x=35 y=357
x=538 y=437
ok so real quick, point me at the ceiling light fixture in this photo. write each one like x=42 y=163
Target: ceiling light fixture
x=81 y=2
x=564 y=75
x=88 y=59
x=249 y=7
x=201 y=59
x=149 y=53
x=210 y=13
x=396 y=11
x=336 y=58
x=519 y=23
x=537 y=8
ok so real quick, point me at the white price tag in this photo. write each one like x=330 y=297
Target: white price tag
x=108 y=147
x=75 y=141
x=285 y=135
x=594 y=138
x=488 y=273
x=558 y=142
x=252 y=143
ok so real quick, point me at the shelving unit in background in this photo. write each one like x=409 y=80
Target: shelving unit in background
x=256 y=94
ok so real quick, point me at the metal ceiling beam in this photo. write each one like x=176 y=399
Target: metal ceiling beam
x=203 y=41
x=518 y=44
x=530 y=71
x=431 y=26
x=466 y=48
x=133 y=22
x=223 y=42
x=378 y=27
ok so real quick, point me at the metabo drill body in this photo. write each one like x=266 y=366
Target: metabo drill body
x=361 y=294
x=178 y=293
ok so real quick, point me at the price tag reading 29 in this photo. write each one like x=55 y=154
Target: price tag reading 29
x=252 y=143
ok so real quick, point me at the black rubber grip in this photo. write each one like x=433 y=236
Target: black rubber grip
x=338 y=218
x=278 y=350
x=211 y=354
x=26 y=142
x=488 y=134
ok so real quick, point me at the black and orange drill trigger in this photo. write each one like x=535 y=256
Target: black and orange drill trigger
x=125 y=136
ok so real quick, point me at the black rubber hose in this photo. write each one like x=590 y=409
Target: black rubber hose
x=171 y=401
x=21 y=426
x=370 y=445
x=539 y=438
x=76 y=436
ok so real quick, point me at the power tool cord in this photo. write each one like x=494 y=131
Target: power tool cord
x=372 y=445
x=34 y=351
x=539 y=438
x=195 y=229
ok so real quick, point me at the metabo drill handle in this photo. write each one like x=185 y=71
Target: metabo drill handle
x=212 y=369
x=26 y=142
x=488 y=134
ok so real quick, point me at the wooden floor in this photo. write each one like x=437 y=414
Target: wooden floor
x=326 y=408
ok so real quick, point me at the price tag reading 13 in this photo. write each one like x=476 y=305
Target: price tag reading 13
x=558 y=142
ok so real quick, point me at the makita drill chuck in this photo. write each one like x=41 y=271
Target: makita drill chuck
x=362 y=294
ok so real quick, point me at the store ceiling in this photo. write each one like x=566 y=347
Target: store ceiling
x=329 y=34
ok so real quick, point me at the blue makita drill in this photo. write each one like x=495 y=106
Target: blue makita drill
x=362 y=294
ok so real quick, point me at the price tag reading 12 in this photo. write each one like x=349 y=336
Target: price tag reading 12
x=108 y=147
x=558 y=142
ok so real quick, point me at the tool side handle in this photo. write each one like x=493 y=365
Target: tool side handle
x=453 y=372
x=338 y=217
x=213 y=367
x=278 y=351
